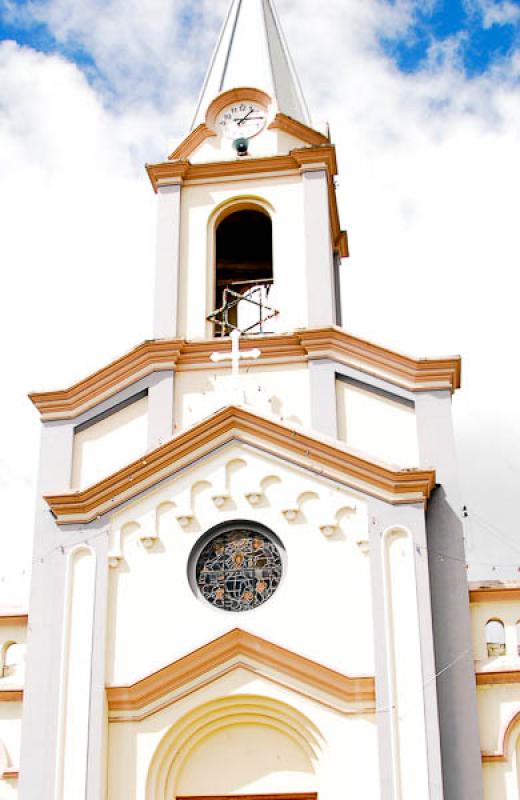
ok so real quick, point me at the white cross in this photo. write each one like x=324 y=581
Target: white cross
x=235 y=356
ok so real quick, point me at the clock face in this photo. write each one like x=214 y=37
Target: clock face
x=242 y=120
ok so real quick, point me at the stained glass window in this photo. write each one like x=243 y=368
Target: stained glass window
x=238 y=569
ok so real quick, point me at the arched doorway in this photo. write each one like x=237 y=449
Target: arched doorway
x=243 y=270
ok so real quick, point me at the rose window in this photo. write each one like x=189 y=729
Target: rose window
x=238 y=569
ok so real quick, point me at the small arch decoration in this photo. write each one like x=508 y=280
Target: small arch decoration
x=495 y=638
x=185 y=735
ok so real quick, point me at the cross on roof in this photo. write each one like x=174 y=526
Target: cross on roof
x=234 y=356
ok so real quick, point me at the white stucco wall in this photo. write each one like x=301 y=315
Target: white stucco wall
x=267 y=143
x=498 y=703
x=281 y=391
x=322 y=608
x=110 y=444
x=377 y=425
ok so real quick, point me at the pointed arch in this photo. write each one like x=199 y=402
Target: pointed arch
x=227 y=713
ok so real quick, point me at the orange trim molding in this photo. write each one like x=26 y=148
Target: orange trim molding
x=297 y=129
x=235 y=96
x=191 y=142
x=416 y=375
x=498 y=677
x=231 y=645
x=11 y=695
x=323 y=154
x=488 y=594
x=232 y=424
x=16 y=618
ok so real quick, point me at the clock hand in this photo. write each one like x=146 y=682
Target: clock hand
x=241 y=122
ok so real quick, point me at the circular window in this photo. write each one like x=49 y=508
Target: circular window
x=238 y=568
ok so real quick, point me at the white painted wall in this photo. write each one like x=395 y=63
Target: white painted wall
x=498 y=703
x=283 y=392
x=110 y=444
x=267 y=143
x=322 y=608
x=376 y=425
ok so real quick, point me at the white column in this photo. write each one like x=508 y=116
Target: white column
x=161 y=401
x=167 y=264
x=78 y=630
x=407 y=709
x=318 y=248
x=41 y=692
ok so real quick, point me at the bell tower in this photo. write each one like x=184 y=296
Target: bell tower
x=248 y=226
x=236 y=586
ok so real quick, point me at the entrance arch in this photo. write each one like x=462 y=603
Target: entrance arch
x=236 y=745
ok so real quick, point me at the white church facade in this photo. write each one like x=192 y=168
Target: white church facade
x=249 y=572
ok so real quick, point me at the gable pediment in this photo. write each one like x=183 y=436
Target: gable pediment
x=238 y=424
x=236 y=649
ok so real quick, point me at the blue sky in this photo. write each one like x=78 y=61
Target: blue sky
x=474 y=34
x=479 y=42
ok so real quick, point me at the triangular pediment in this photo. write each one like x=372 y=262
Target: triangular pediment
x=236 y=649
x=239 y=424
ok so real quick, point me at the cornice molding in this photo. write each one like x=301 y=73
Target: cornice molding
x=498 y=677
x=238 y=644
x=14 y=618
x=191 y=142
x=319 y=155
x=237 y=424
x=10 y=774
x=488 y=594
x=11 y=695
x=297 y=129
x=415 y=375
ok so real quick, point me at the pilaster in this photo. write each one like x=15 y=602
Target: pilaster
x=167 y=263
x=407 y=712
x=321 y=309
x=322 y=376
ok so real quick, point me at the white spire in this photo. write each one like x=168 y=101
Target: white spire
x=252 y=51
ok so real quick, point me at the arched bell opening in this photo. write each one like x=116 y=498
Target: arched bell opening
x=243 y=271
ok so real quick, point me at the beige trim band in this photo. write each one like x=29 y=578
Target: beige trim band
x=191 y=142
x=487 y=594
x=415 y=375
x=229 y=646
x=498 y=677
x=11 y=695
x=16 y=618
x=297 y=129
x=236 y=424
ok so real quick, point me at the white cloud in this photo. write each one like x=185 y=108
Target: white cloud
x=428 y=191
x=495 y=13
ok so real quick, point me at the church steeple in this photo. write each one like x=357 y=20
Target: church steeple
x=252 y=51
